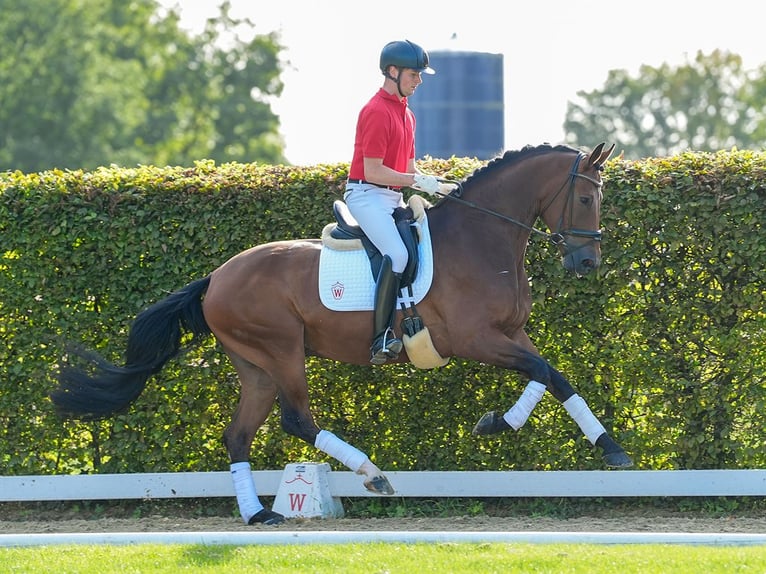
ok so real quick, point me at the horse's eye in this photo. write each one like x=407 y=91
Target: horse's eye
x=586 y=200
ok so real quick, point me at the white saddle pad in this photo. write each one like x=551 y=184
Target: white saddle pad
x=346 y=282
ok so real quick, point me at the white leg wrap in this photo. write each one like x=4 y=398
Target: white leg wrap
x=244 y=488
x=585 y=419
x=518 y=414
x=340 y=450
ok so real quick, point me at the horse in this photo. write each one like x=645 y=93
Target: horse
x=263 y=308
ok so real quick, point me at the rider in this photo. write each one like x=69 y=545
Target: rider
x=383 y=163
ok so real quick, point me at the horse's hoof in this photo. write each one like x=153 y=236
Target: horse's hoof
x=617 y=459
x=379 y=485
x=267 y=517
x=490 y=423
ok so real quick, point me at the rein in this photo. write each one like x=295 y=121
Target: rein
x=557 y=238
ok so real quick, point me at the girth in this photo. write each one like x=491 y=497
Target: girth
x=348 y=228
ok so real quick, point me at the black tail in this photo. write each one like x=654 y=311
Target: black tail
x=154 y=339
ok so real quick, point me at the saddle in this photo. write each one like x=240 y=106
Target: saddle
x=346 y=235
x=347 y=228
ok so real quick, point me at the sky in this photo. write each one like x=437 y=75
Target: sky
x=551 y=51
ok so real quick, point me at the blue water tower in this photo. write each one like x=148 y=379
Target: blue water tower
x=460 y=110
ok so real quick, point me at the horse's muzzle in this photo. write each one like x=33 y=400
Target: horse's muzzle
x=582 y=260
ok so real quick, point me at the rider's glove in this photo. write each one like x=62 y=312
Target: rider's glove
x=427 y=184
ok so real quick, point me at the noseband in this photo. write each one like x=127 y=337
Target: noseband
x=558 y=237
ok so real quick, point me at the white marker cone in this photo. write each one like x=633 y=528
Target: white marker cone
x=304 y=491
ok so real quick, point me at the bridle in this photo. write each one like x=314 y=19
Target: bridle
x=558 y=237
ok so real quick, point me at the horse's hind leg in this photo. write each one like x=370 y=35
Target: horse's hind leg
x=258 y=394
x=257 y=397
x=297 y=420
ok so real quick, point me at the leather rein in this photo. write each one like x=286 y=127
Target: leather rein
x=558 y=237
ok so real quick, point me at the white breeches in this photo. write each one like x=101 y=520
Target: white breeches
x=372 y=207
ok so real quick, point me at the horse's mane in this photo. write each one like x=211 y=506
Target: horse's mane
x=512 y=156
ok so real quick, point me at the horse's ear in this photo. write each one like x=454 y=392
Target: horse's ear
x=595 y=154
x=599 y=155
x=606 y=155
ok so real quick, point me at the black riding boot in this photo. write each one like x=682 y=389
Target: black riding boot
x=385 y=345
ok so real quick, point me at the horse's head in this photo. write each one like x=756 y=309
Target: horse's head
x=573 y=214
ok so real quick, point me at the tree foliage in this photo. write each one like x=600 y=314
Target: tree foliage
x=100 y=82
x=709 y=104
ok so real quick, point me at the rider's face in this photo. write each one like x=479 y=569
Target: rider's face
x=409 y=79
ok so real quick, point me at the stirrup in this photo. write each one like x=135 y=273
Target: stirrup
x=385 y=347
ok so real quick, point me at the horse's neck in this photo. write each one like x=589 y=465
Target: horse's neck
x=508 y=205
x=467 y=233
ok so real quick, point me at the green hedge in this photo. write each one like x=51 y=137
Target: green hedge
x=666 y=341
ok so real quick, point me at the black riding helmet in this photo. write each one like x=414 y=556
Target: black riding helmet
x=404 y=54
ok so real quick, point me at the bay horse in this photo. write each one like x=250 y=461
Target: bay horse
x=263 y=307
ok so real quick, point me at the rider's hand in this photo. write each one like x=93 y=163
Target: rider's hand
x=427 y=184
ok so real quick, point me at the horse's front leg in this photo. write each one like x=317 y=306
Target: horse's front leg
x=544 y=377
x=613 y=454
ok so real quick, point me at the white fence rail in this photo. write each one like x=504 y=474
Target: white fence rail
x=420 y=484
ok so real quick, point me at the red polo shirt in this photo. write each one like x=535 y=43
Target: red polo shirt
x=385 y=129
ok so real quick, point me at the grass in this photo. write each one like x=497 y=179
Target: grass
x=389 y=558
x=373 y=558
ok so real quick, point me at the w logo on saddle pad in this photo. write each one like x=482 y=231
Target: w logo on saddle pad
x=345 y=279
